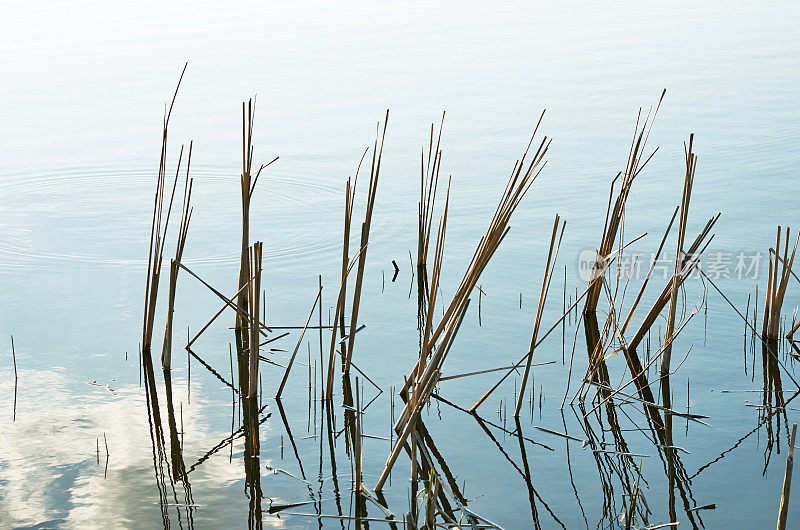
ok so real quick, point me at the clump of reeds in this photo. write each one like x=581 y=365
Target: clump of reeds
x=186 y=215
x=339 y=330
x=338 y=318
x=691 y=165
x=429 y=181
x=686 y=262
x=422 y=387
x=430 y=167
x=427 y=368
x=615 y=218
x=241 y=327
x=178 y=468
x=377 y=153
x=247 y=327
x=777 y=280
x=157 y=233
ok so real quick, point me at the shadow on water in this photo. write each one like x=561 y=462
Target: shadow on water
x=772 y=398
x=170 y=473
x=618 y=463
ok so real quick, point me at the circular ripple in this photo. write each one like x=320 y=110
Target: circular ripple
x=102 y=217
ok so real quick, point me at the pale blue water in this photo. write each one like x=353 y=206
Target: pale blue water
x=82 y=95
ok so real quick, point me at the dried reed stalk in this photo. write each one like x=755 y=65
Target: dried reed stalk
x=254 y=299
x=297 y=347
x=240 y=329
x=186 y=215
x=691 y=165
x=377 y=153
x=548 y=276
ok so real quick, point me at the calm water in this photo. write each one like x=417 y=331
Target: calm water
x=83 y=92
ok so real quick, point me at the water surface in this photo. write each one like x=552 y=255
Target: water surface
x=83 y=95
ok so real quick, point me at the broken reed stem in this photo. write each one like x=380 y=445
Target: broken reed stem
x=296 y=348
x=217 y=314
x=425 y=376
x=548 y=276
x=429 y=181
x=365 y=226
x=783 y=510
x=228 y=302
x=490 y=370
x=691 y=165
x=254 y=300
